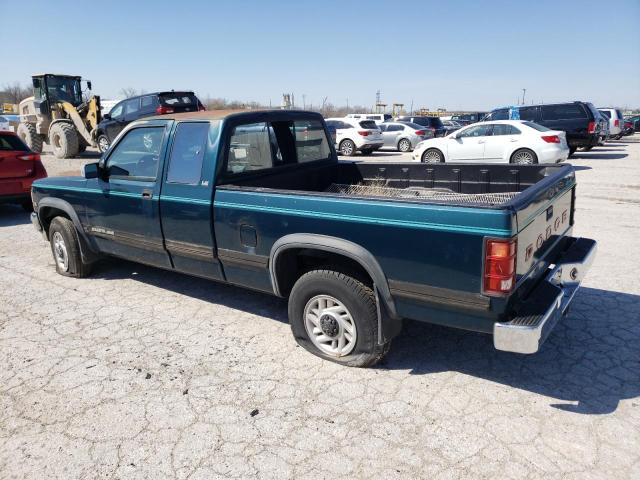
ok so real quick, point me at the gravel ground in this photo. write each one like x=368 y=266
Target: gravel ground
x=140 y=373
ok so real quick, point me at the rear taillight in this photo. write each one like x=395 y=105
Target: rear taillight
x=616 y=123
x=364 y=133
x=499 y=266
x=551 y=138
x=421 y=132
x=32 y=157
x=162 y=110
x=591 y=128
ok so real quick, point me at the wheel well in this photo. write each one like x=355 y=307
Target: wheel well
x=520 y=150
x=295 y=262
x=434 y=148
x=47 y=214
x=344 y=140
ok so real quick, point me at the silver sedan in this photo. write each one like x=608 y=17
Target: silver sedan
x=403 y=136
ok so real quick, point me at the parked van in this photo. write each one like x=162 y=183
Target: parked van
x=578 y=119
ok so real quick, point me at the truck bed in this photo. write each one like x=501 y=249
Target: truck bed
x=488 y=186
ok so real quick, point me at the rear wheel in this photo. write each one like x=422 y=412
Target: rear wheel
x=347 y=148
x=524 y=156
x=63 y=138
x=432 y=155
x=334 y=316
x=27 y=133
x=404 y=145
x=586 y=149
x=572 y=150
x=65 y=247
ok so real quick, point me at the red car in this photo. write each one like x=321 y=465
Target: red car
x=19 y=167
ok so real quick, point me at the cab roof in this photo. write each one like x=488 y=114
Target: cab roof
x=220 y=114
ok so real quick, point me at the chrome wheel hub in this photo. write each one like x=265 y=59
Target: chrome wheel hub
x=60 y=252
x=330 y=326
x=432 y=157
x=523 y=158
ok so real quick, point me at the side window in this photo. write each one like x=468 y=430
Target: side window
x=249 y=148
x=131 y=106
x=563 y=112
x=147 y=102
x=504 y=129
x=117 y=111
x=187 y=153
x=528 y=113
x=311 y=141
x=137 y=154
x=395 y=128
x=383 y=127
x=476 y=131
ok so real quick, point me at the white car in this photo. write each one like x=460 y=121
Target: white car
x=353 y=134
x=616 y=121
x=5 y=124
x=376 y=117
x=503 y=141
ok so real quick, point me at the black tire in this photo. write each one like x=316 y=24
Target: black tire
x=27 y=133
x=348 y=148
x=432 y=155
x=103 y=143
x=572 y=150
x=522 y=152
x=64 y=140
x=360 y=302
x=62 y=228
x=618 y=137
x=404 y=145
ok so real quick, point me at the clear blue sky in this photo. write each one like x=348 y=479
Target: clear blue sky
x=459 y=55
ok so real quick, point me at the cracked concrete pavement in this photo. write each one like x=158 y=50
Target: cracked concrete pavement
x=138 y=373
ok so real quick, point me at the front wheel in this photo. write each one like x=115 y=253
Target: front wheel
x=103 y=143
x=524 y=156
x=64 y=140
x=334 y=316
x=404 y=145
x=432 y=155
x=65 y=247
x=348 y=148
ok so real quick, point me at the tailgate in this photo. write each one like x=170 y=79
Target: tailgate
x=542 y=227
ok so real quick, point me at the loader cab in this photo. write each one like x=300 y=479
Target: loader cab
x=50 y=89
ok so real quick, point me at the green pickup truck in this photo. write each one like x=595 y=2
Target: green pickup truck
x=259 y=199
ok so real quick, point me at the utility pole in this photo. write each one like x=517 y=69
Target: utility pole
x=347 y=105
x=304 y=101
x=524 y=91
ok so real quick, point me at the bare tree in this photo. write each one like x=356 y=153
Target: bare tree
x=129 y=92
x=14 y=93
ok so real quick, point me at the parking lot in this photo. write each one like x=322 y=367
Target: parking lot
x=137 y=372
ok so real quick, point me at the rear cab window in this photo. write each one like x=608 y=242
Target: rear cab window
x=266 y=145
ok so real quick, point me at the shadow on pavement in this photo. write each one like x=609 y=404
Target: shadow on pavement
x=596 y=155
x=589 y=363
x=11 y=215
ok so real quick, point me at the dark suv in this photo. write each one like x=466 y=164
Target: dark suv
x=149 y=104
x=580 y=120
x=433 y=123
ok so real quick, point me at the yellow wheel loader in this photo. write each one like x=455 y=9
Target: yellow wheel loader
x=59 y=115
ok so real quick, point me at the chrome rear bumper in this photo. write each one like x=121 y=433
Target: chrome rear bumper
x=548 y=303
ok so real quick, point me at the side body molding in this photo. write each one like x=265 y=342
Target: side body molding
x=338 y=246
x=89 y=254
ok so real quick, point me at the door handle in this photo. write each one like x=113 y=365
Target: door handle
x=147 y=194
x=480 y=141
x=513 y=140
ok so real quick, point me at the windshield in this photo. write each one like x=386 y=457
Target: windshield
x=64 y=89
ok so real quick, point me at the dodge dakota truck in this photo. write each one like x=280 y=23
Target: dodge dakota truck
x=259 y=199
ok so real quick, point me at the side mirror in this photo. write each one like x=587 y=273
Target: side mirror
x=89 y=84
x=106 y=116
x=453 y=136
x=91 y=170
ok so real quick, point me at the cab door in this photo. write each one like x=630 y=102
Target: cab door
x=122 y=208
x=468 y=144
x=186 y=200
